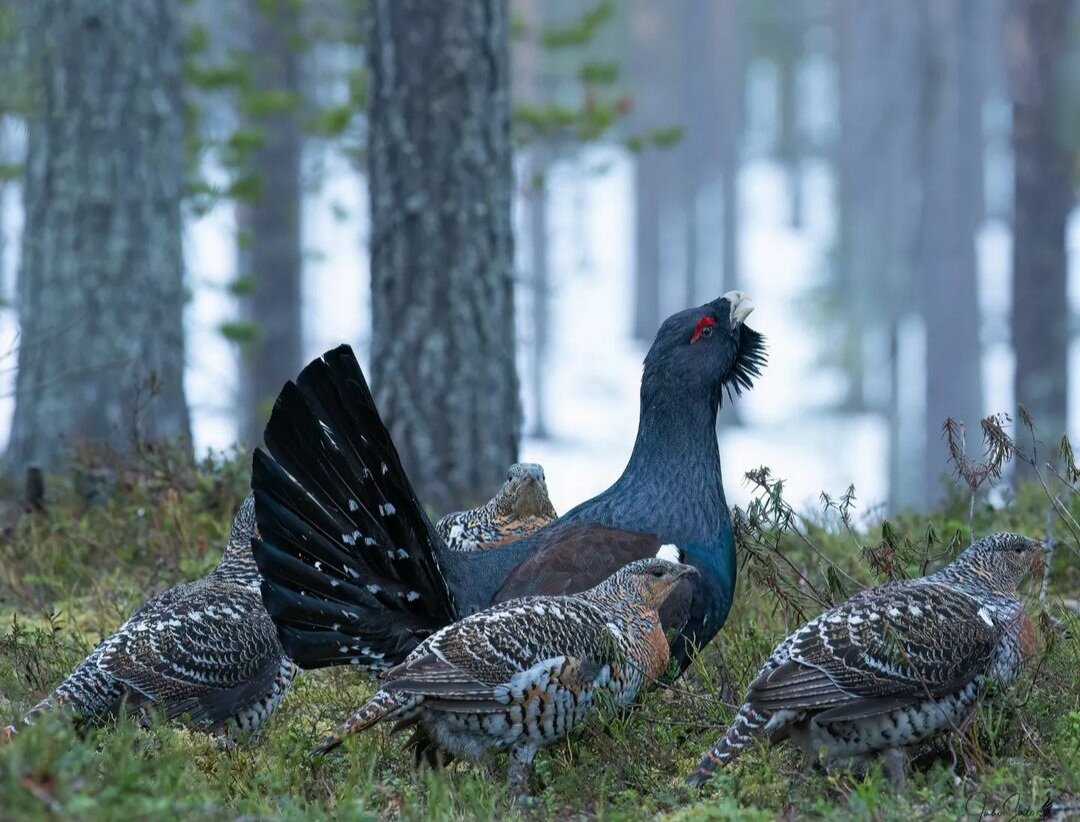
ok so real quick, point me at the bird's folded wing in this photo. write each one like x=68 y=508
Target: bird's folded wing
x=874 y=653
x=447 y=688
x=487 y=655
x=196 y=652
x=572 y=557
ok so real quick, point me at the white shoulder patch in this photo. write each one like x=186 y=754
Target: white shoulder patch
x=672 y=553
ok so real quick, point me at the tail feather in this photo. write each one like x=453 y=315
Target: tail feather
x=384 y=705
x=739 y=734
x=348 y=556
x=88 y=691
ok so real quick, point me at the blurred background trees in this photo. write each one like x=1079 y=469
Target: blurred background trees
x=100 y=293
x=894 y=183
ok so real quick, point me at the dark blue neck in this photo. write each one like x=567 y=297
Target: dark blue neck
x=671 y=487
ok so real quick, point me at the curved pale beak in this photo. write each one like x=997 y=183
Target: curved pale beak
x=687 y=571
x=741 y=306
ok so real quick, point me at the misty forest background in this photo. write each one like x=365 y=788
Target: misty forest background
x=186 y=221
x=496 y=203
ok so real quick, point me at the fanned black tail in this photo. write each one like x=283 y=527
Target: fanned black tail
x=347 y=554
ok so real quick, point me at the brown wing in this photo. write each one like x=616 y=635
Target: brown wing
x=475 y=661
x=876 y=652
x=570 y=558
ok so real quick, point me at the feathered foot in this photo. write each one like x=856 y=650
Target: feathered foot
x=424 y=749
x=517 y=773
x=892 y=765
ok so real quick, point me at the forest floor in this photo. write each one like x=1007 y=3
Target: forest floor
x=70 y=574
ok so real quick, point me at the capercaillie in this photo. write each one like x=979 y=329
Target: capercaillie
x=522 y=674
x=893 y=666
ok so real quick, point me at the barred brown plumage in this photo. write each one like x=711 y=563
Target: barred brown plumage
x=520 y=507
x=522 y=674
x=204 y=650
x=894 y=665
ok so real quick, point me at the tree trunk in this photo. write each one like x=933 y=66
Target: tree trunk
x=730 y=35
x=101 y=354
x=648 y=188
x=788 y=139
x=441 y=181
x=532 y=83
x=656 y=168
x=536 y=205
x=945 y=252
x=270 y=225
x=879 y=166
x=696 y=161
x=1037 y=31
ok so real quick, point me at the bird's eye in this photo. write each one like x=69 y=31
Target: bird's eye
x=704 y=328
x=657 y=573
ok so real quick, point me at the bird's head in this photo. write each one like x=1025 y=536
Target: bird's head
x=1003 y=560
x=525 y=493
x=702 y=350
x=650 y=581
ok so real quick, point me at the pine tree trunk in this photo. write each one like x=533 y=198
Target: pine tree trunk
x=648 y=195
x=540 y=283
x=788 y=139
x=441 y=181
x=1037 y=31
x=651 y=74
x=531 y=80
x=945 y=255
x=101 y=351
x=654 y=68
x=730 y=34
x=270 y=225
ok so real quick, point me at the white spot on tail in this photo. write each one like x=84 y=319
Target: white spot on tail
x=354 y=505
x=672 y=553
x=387 y=509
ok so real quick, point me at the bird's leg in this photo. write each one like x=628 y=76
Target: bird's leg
x=517 y=773
x=226 y=738
x=892 y=765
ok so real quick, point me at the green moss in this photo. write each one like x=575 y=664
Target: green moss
x=71 y=574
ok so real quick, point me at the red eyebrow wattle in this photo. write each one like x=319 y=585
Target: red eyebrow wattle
x=703 y=323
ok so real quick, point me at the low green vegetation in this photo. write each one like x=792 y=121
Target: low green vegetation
x=70 y=574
